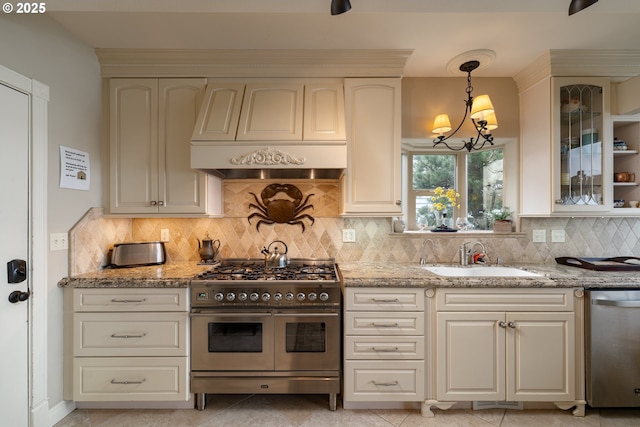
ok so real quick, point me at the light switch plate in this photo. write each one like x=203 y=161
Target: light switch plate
x=348 y=235
x=58 y=241
x=539 y=236
x=557 y=236
x=164 y=235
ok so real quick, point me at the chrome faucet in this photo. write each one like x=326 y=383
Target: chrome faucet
x=423 y=258
x=467 y=256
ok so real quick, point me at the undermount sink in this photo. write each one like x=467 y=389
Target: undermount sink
x=481 y=271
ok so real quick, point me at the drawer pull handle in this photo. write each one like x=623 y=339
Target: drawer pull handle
x=386 y=349
x=114 y=381
x=385 y=384
x=126 y=301
x=385 y=300
x=385 y=325
x=128 y=336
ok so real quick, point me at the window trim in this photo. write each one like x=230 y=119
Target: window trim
x=511 y=179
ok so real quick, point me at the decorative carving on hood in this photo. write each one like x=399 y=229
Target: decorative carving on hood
x=272 y=208
x=268 y=156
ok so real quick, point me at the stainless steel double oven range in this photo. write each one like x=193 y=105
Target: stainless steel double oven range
x=266 y=330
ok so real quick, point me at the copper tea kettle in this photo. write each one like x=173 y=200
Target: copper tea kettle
x=208 y=248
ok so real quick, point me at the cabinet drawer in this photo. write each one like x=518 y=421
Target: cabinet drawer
x=384 y=348
x=131 y=334
x=130 y=379
x=368 y=299
x=505 y=299
x=131 y=299
x=384 y=323
x=373 y=381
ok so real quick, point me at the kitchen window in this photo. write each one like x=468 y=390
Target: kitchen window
x=478 y=177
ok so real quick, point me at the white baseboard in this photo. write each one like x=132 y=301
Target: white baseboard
x=57 y=413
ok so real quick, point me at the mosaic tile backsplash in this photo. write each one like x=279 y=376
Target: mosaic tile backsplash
x=93 y=236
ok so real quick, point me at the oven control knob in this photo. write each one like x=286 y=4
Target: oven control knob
x=277 y=296
x=313 y=296
x=242 y=296
x=219 y=296
x=254 y=296
x=289 y=296
x=266 y=296
x=231 y=296
x=324 y=296
x=301 y=296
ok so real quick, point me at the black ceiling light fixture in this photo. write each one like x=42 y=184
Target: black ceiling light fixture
x=577 y=5
x=482 y=114
x=341 y=6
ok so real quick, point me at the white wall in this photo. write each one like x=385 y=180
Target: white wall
x=37 y=47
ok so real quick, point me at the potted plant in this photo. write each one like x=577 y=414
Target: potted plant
x=502 y=221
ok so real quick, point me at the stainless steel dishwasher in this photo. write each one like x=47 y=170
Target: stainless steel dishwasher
x=613 y=348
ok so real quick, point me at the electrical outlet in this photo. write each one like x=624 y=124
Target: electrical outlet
x=58 y=241
x=164 y=235
x=557 y=236
x=539 y=236
x=349 y=235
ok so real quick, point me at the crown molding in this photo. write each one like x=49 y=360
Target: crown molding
x=619 y=65
x=252 y=62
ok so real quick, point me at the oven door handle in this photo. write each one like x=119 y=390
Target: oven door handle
x=235 y=314
x=307 y=313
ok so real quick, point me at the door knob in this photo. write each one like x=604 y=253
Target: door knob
x=18 y=296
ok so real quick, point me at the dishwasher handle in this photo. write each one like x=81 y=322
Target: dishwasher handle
x=617 y=303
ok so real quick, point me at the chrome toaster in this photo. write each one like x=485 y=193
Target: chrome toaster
x=137 y=253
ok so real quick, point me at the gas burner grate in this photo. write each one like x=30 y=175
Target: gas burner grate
x=257 y=271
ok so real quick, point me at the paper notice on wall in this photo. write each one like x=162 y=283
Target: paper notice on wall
x=74 y=169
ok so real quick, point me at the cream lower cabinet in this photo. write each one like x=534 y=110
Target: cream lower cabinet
x=384 y=346
x=127 y=345
x=509 y=345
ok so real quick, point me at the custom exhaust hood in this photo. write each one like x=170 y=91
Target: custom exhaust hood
x=271 y=130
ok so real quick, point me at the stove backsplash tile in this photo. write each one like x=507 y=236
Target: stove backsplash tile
x=93 y=236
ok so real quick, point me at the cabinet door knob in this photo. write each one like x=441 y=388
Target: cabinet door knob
x=398 y=202
x=160 y=203
x=153 y=203
x=512 y=325
x=502 y=324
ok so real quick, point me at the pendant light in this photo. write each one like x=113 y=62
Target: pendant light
x=340 y=6
x=479 y=109
x=577 y=5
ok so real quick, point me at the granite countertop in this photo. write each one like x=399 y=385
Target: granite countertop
x=552 y=275
x=172 y=275
x=367 y=274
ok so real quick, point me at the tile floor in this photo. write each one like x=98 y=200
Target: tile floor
x=312 y=411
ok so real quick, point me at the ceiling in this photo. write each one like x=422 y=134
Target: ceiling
x=518 y=31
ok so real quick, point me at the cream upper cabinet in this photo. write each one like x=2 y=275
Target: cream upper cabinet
x=509 y=344
x=150 y=127
x=566 y=154
x=372 y=182
x=272 y=111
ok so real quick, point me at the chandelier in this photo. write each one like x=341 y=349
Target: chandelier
x=479 y=109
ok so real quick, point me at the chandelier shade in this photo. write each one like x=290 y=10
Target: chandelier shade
x=441 y=124
x=481 y=112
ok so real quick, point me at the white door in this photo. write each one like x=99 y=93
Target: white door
x=14 y=235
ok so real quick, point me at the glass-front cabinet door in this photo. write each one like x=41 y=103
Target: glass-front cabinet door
x=582 y=145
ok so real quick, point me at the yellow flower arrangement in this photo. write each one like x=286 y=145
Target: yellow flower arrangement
x=444 y=198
